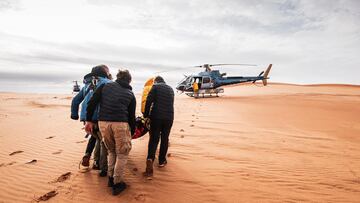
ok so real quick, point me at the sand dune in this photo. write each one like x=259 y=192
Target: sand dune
x=281 y=143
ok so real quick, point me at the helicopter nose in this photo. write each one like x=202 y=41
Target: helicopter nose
x=180 y=87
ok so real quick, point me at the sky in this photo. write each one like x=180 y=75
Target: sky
x=46 y=44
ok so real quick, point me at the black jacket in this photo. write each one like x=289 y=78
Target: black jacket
x=160 y=102
x=117 y=103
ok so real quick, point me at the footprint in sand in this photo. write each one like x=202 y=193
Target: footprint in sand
x=182 y=136
x=140 y=197
x=192 y=125
x=46 y=196
x=8 y=164
x=16 y=152
x=11 y=163
x=182 y=130
x=62 y=178
x=58 y=152
x=31 y=161
x=78 y=142
x=50 y=137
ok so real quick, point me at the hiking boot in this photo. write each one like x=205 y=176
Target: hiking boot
x=149 y=168
x=96 y=165
x=85 y=161
x=162 y=164
x=103 y=173
x=118 y=188
x=111 y=182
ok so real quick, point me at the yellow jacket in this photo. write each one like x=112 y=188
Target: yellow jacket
x=147 y=87
x=195 y=87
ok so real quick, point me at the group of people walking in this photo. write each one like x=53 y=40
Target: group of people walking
x=108 y=111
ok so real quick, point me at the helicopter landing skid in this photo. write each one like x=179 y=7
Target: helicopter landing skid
x=206 y=93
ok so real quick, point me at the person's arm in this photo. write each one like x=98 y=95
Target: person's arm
x=75 y=103
x=149 y=100
x=93 y=102
x=131 y=110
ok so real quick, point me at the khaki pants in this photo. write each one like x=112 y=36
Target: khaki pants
x=117 y=140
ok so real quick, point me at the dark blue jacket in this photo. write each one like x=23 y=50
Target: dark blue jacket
x=117 y=103
x=160 y=102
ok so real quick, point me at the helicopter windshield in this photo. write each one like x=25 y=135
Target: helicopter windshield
x=185 y=80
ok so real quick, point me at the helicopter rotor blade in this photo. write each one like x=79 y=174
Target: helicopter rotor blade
x=232 y=64
x=204 y=66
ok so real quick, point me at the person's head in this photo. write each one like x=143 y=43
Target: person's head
x=124 y=75
x=159 y=79
x=100 y=71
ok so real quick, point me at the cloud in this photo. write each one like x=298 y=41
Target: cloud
x=35 y=77
x=307 y=41
x=9 y=4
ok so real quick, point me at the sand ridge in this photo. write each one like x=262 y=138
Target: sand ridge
x=280 y=143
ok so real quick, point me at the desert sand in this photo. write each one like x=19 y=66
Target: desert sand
x=280 y=143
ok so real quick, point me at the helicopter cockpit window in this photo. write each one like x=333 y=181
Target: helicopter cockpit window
x=206 y=80
x=185 y=80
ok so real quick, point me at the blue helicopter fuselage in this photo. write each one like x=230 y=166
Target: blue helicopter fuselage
x=214 y=79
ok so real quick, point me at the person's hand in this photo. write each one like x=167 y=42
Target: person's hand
x=89 y=127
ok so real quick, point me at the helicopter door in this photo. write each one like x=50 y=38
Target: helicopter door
x=206 y=83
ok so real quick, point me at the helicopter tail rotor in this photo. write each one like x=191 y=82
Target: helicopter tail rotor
x=266 y=75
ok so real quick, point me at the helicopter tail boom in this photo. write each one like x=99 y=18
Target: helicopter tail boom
x=266 y=75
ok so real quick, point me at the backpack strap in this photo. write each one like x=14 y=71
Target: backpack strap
x=92 y=86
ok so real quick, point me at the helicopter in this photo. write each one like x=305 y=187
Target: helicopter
x=210 y=82
x=76 y=87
